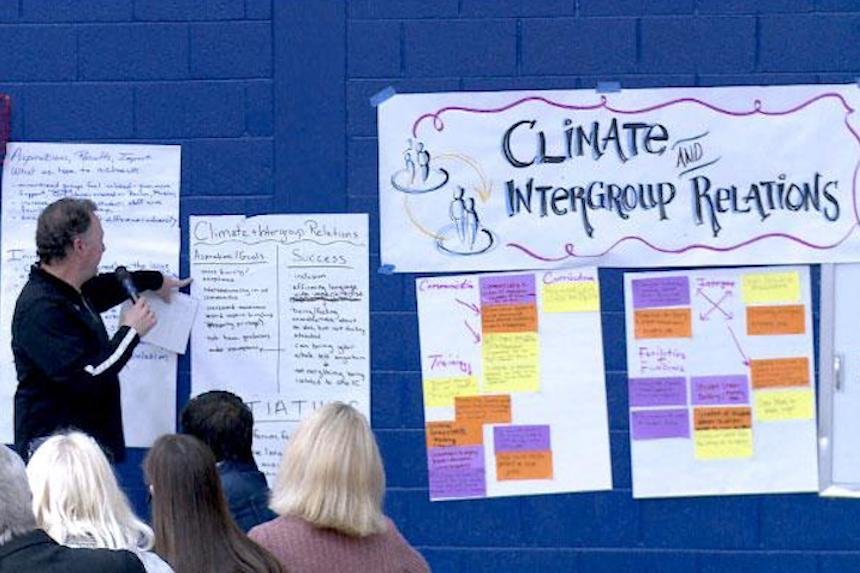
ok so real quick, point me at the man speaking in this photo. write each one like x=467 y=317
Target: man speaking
x=66 y=364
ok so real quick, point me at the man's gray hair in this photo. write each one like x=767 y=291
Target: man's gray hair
x=16 y=511
x=58 y=225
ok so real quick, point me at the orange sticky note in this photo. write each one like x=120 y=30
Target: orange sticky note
x=442 y=434
x=663 y=323
x=784 y=319
x=509 y=318
x=722 y=418
x=523 y=465
x=779 y=372
x=483 y=409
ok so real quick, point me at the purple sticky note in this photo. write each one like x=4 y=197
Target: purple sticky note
x=661 y=291
x=521 y=438
x=657 y=424
x=457 y=471
x=657 y=391
x=507 y=289
x=709 y=390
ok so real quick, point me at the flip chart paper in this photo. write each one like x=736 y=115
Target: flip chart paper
x=136 y=189
x=733 y=411
x=284 y=317
x=538 y=411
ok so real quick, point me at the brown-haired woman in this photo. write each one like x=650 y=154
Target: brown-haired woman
x=193 y=528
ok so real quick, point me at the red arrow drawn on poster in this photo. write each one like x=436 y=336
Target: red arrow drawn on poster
x=738 y=344
x=475 y=335
x=474 y=308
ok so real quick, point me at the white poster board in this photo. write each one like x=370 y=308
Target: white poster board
x=136 y=189
x=514 y=390
x=642 y=177
x=721 y=381
x=284 y=317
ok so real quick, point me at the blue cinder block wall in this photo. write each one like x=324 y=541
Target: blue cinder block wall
x=269 y=99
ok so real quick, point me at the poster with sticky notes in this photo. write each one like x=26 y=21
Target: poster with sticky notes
x=721 y=387
x=513 y=384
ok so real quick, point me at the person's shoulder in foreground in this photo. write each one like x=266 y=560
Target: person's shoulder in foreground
x=329 y=492
x=25 y=548
x=310 y=549
x=222 y=421
x=36 y=551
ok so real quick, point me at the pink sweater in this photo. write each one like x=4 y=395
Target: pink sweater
x=303 y=548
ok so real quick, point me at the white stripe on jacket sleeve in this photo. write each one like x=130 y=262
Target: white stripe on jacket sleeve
x=113 y=358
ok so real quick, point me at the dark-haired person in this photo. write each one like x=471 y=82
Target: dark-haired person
x=194 y=531
x=66 y=364
x=24 y=547
x=222 y=421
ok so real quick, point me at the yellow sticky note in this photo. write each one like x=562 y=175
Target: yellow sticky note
x=510 y=362
x=723 y=444
x=440 y=392
x=774 y=405
x=580 y=296
x=771 y=287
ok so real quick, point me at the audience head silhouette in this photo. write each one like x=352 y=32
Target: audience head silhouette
x=331 y=474
x=193 y=528
x=76 y=498
x=25 y=547
x=16 y=515
x=222 y=421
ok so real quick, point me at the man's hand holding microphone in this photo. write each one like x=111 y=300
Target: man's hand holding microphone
x=140 y=316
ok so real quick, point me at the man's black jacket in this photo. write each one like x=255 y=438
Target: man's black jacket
x=67 y=366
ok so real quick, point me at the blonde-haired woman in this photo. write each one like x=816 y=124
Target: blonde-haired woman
x=78 y=502
x=328 y=495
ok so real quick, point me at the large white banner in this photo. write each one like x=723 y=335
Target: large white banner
x=514 y=391
x=136 y=188
x=721 y=381
x=650 y=177
x=283 y=319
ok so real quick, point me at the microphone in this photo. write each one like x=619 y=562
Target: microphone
x=127 y=284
